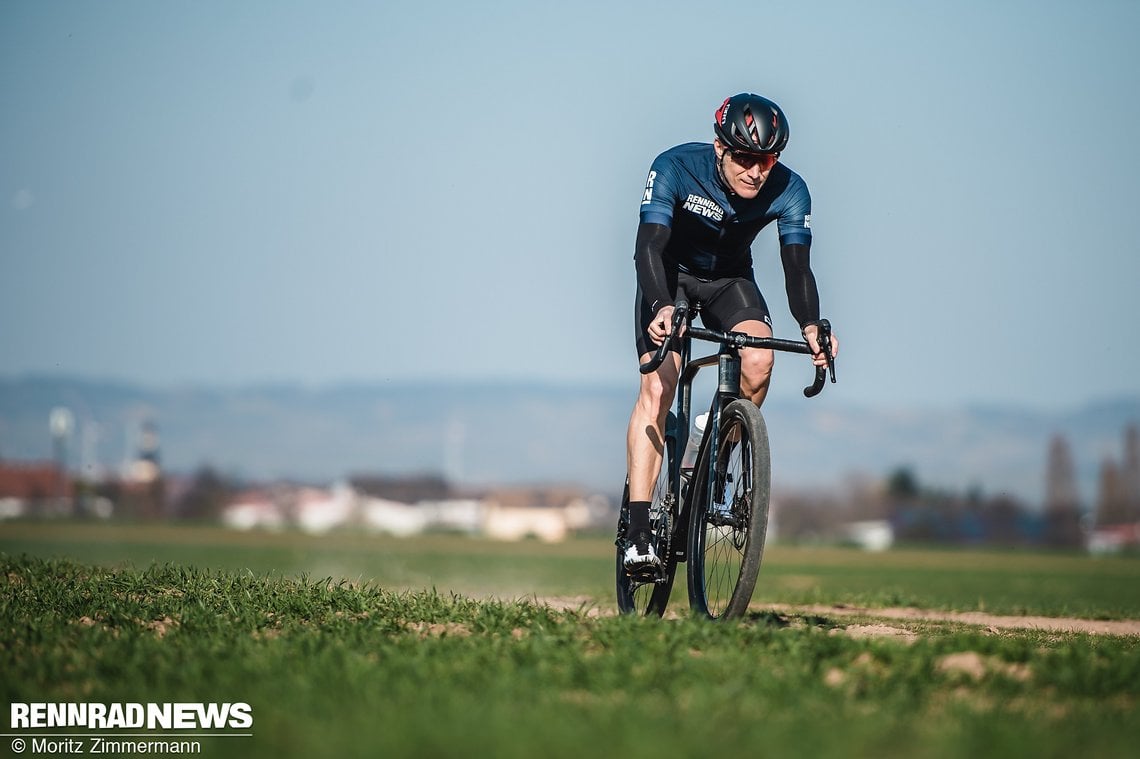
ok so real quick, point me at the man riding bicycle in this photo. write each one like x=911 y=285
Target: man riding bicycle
x=703 y=206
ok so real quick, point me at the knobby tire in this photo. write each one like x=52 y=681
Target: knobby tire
x=729 y=517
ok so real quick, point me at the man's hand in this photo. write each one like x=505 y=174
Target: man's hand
x=811 y=334
x=662 y=324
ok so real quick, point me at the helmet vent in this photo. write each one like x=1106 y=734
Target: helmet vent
x=751 y=123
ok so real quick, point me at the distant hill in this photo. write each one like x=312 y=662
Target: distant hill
x=513 y=433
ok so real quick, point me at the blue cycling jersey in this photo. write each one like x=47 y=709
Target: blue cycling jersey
x=712 y=231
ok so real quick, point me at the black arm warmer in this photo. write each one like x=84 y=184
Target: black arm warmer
x=803 y=295
x=649 y=261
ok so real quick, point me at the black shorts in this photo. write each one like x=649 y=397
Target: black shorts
x=724 y=304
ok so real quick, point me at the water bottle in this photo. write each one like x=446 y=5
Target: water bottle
x=689 y=459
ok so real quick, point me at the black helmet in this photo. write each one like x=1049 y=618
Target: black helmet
x=752 y=124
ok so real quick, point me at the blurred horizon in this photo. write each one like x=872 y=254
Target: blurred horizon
x=785 y=391
x=487 y=433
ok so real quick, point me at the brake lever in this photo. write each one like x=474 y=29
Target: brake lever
x=822 y=372
x=825 y=346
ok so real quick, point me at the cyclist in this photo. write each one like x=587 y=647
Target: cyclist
x=703 y=206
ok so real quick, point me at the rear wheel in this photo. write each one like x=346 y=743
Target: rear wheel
x=729 y=516
x=648 y=593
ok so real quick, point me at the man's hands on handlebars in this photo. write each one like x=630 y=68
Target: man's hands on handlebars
x=818 y=357
x=674 y=318
x=662 y=325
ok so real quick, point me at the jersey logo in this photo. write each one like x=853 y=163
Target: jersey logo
x=807 y=221
x=649 y=188
x=703 y=207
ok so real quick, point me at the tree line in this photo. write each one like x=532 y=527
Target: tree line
x=922 y=514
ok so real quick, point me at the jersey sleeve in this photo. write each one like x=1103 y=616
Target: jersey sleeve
x=660 y=196
x=794 y=221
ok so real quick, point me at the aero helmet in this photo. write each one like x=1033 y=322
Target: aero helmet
x=752 y=124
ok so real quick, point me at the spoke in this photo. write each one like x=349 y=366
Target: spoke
x=726 y=528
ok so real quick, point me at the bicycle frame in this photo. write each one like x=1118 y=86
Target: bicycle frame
x=727 y=360
x=727 y=390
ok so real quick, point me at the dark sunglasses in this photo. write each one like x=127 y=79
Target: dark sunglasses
x=748 y=160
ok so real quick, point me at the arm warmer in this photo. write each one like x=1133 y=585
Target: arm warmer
x=803 y=295
x=649 y=261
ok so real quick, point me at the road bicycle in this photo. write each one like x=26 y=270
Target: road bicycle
x=712 y=515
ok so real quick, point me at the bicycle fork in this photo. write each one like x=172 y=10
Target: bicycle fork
x=728 y=390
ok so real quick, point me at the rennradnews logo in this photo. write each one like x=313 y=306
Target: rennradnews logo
x=150 y=716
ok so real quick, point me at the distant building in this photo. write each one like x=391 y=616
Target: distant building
x=317 y=511
x=870 y=535
x=400 y=519
x=34 y=489
x=254 y=509
x=1114 y=538
x=549 y=514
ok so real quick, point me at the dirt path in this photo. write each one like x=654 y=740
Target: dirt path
x=981 y=619
x=992 y=622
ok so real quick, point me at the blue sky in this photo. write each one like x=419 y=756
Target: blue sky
x=322 y=192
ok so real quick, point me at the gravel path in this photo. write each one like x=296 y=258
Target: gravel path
x=993 y=622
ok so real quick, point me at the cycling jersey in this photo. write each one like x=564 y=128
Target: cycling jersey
x=712 y=230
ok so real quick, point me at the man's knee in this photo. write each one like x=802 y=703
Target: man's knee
x=756 y=366
x=657 y=392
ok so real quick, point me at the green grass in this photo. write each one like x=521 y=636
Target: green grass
x=1002 y=582
x=449 y=562
x=337 y=668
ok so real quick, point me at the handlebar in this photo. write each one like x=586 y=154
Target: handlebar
x=741 y=340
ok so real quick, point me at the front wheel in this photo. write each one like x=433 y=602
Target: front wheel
x=729 y=514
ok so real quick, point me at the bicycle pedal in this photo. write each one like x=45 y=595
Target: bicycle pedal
x=646 y=575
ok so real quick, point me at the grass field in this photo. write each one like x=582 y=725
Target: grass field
x=342 y=648
x=1004 y=582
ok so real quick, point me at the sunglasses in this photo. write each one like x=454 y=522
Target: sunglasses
x=748 y=160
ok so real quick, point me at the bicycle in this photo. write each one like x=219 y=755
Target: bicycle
x=714 y=516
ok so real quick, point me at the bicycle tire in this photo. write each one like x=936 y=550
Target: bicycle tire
x=726 y=539
x=651 y=598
